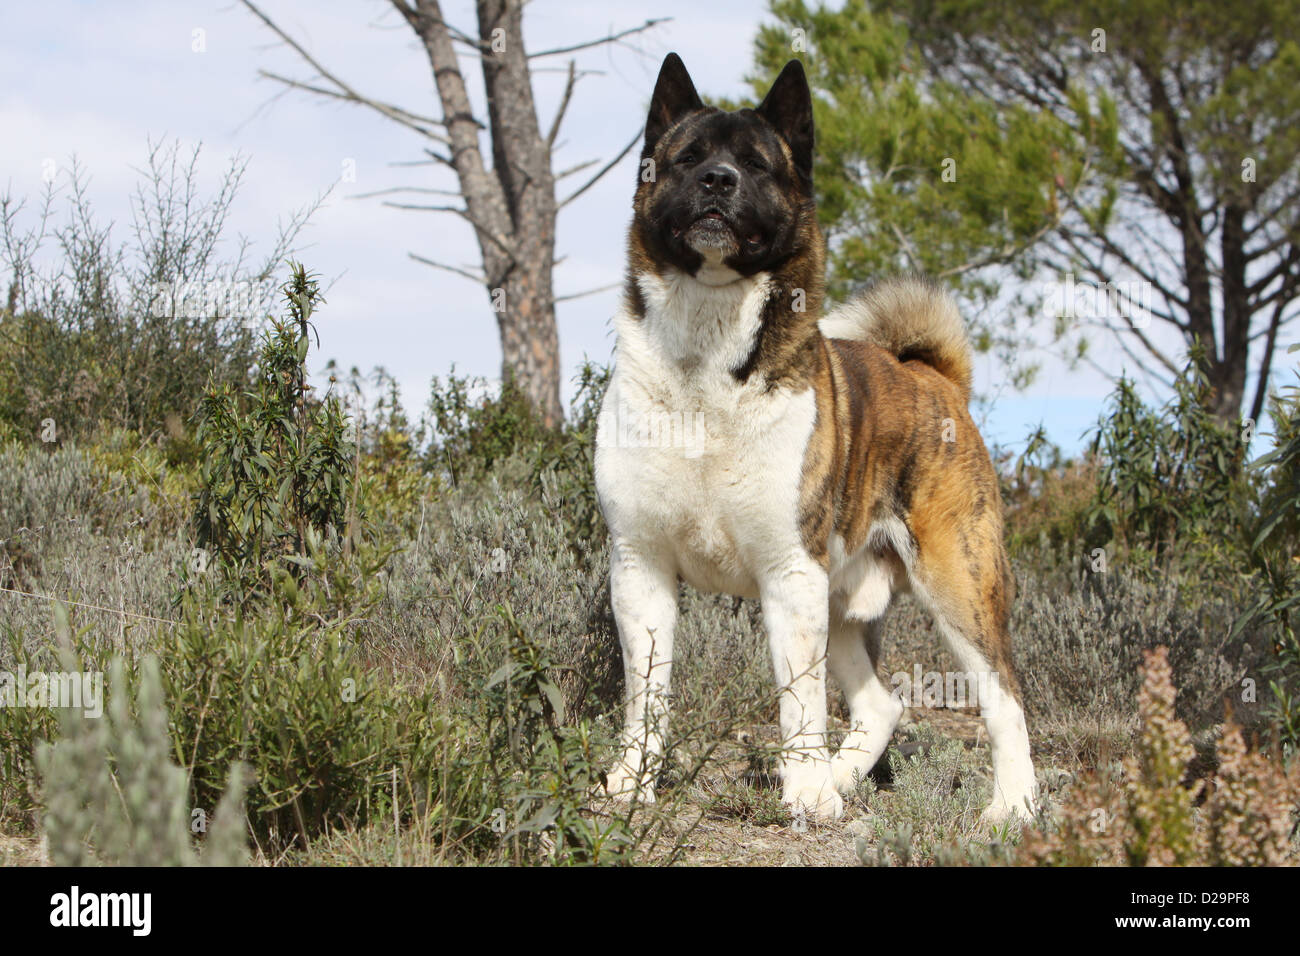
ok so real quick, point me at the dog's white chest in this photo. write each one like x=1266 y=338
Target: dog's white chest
x=692 y=464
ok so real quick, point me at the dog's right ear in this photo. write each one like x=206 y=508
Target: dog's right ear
x=673 y=98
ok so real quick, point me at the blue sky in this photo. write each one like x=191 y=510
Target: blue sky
x=98 y=80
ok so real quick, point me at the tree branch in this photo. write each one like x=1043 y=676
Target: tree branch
x=579 y=295
x=412 y=18
x=564 y=105
x=612 y=38
x=398 y=115
x=479 y=279
x=604 y=169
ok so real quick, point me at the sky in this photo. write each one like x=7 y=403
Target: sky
x=100 y=81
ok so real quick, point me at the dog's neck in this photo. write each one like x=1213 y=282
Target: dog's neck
x=755 y=330
x=703 y=324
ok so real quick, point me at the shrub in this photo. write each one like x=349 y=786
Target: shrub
x=566 y=472
x=279 y=490
x=20 y=728
x=98 y=333
x=1147 y=814
x=546 y=771
x=1172 y=476
x=73 y=528
x=396 y=485
x=929 y=803
x=1046 y=499
x=1080 y=645
x=475 y=430
x=1273 y=557
x=285 y=695
x=112 y=794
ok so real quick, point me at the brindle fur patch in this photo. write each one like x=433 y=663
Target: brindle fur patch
x=879 y=449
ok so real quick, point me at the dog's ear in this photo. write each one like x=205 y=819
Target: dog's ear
x=673 y=98
x=788 y=107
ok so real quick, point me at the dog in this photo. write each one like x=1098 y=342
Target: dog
x=836 y=464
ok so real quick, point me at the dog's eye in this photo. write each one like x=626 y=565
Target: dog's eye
x=756 y=164
x=686 y=159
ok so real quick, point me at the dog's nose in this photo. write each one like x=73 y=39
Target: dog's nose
x=719 y=178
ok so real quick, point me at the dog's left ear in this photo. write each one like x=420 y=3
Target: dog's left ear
x=788 y=107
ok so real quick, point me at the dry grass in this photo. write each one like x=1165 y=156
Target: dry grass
x=1077 y=641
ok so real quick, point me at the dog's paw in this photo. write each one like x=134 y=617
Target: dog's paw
x=1001 y=812
x=849 y=769
x=810 y=789
x=625 y=785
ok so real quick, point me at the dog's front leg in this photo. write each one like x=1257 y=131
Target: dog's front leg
x=795 y=612
x=643 y=592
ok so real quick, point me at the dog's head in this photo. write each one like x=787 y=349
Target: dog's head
x=726 y=189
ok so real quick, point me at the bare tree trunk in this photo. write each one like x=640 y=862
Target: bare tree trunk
x=1229 y=373
x=512 y=206
x=521 y=156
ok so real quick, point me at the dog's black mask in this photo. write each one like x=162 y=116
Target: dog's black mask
x=731 y=188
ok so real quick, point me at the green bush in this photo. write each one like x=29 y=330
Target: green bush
x=1046 y=498
x=396 y=484
x=1171 y=477
x=565 y=472
x=319 y=732
x=1273 y=556
x=126 y=333
x=475 y=430
x=278 y=492
x=544 y=769
x=20 y=728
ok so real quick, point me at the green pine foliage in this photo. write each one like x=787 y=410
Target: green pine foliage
x=916 y=174
x=1275 y=558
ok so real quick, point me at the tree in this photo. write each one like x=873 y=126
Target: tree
x=511 y=204
x=1184 y=114
x=914 y=173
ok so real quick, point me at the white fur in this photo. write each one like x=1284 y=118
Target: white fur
x=863 y=584
x=724 y=517
x=873 y=711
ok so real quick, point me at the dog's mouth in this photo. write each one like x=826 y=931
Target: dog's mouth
x=709 y=221
x=712 y=227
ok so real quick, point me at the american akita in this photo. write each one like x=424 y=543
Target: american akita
x=837 y=463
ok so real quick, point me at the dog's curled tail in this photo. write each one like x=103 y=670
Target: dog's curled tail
x=911 y=318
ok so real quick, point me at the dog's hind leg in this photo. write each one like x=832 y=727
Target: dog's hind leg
x=971 y=601
x=998 y=697
x=853 y=653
